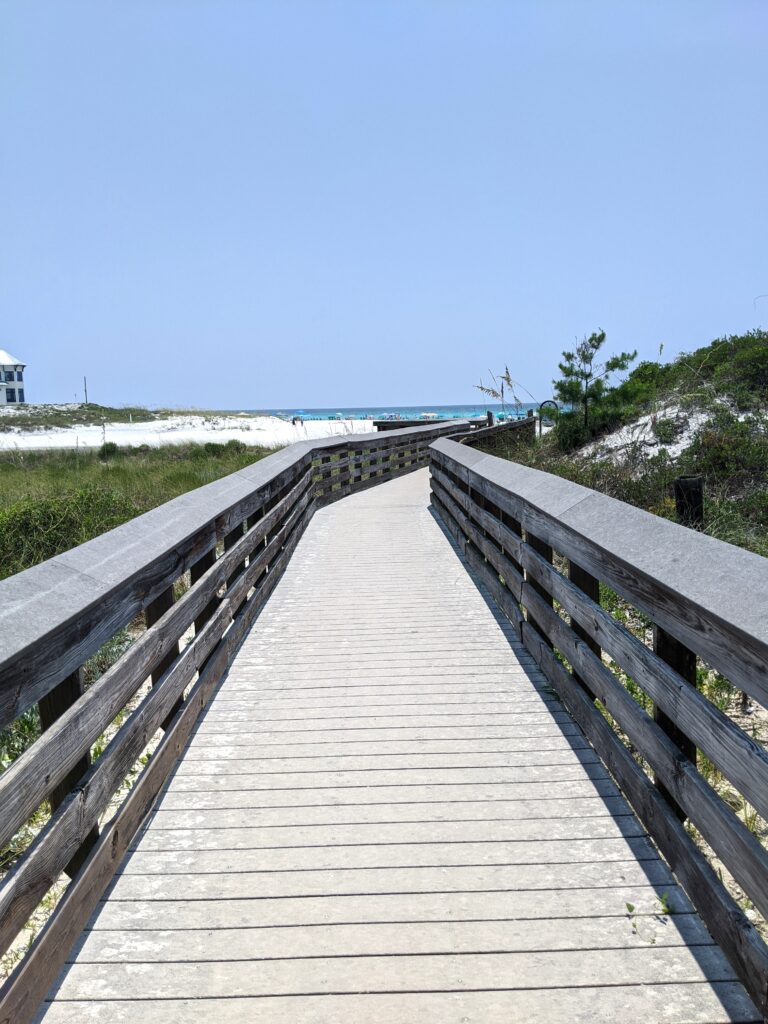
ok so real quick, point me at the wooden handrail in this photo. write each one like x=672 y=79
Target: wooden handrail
x=235 y=536
x=709 y=597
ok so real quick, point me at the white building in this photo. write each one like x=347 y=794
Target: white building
x=11 y=379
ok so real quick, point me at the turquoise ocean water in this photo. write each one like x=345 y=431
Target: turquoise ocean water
x=405 y=412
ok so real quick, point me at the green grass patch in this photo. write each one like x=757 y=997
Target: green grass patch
x=51 y=501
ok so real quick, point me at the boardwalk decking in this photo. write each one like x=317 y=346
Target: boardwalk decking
x=385 y=815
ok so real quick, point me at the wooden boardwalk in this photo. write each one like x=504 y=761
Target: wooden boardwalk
x=386 y=816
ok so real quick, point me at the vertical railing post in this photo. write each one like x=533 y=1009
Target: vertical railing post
x=545 y=550
x=230 y=539
x=513 y=525
x=689 y=501
x=155 y=610
x=590 y=586
x=52 y=706
x=196 y=572
x=355 y=467
x=325 y=478
x=683 y=661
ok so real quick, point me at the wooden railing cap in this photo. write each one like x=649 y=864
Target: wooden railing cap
x=727 y=582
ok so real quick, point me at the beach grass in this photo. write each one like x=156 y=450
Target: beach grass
x=53 y=500
x=50 y=417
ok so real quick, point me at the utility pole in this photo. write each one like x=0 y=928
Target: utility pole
x=85 y=388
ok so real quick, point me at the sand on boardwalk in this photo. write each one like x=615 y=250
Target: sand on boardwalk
x=262 y=431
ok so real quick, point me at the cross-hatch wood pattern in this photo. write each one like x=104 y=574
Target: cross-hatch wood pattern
x=386 y=814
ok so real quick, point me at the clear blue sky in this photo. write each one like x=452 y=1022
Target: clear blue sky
x=244 y=204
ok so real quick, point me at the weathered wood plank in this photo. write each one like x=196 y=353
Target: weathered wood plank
x=373 y=785
x=563 y=905
x=672 y=1003
x=746 y=858
x=663 y=569
x=436 y=972
x=738 y=756
x=29 y=780
x=721 y=914
x=406 y=938
x=52 y=706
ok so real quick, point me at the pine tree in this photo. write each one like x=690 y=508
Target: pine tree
x=584 y=382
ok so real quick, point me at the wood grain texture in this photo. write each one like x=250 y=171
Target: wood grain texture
x=412 y=817
x=672 y=574
x=54 y=616
x=685 y=719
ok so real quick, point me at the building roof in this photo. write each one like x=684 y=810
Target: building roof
x=6 y=359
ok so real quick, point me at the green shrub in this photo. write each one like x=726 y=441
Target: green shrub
x=34 y=529
x=107 y=450
x=729 y=449
x=571 y=432
x=666 y=430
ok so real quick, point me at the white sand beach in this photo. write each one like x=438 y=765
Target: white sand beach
x=262 y=431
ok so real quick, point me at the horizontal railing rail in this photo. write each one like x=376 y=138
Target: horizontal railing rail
x=197 y=571
x=543 y=546
x=502 y=438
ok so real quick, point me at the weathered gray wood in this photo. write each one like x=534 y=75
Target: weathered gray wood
x=672 y=574
x=746 y=858
x=23 y=990
x=506 y=599
x=321 y=799
x=54 y=616
x=587 y=583
x=245 y=837
x=544 y=507
x=297 y=811
x=153 y=612
x=683 y=661
x=25 y=885
x=30 y=779
x=737 y=755
x=230 y=540
x=52 y=706
x=387 y=908
x=544 y=551
x=457 y=504
x=409 y=938
x=26 y=986
x=673 y=1003
x=722 y=915
x=413 y=974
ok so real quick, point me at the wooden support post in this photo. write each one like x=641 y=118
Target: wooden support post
x=689 y=501
x=543 y=549
x=591 y=586
x=683 y=661
x=356 y=467
x=52 y=707
x=514 y=526
x=230 y=539
x=249 y=524
x=198 y=569
x=325 y=478
x=155 y=610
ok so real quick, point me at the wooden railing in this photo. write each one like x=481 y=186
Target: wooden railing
x=543 y=546
x=502 y=438
x=197 y=570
